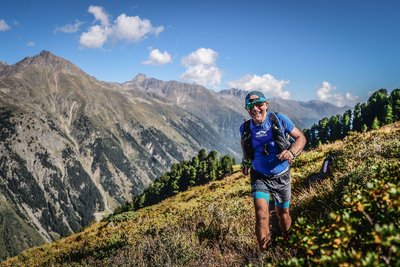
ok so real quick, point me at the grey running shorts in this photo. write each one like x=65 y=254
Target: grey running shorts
x=262 y=186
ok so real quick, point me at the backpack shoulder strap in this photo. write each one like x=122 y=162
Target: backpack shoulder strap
x=273 y=116
x=247 y=131
x=278 y=132
x=247 y=139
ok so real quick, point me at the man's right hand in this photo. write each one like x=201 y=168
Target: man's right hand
x=245 y=166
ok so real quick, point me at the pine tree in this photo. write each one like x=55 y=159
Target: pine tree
x=395 y=98
x=202 y=172
x=388 y=110
x=226 y=165
x=375 y=107
x=364 y=128
x=365 y=119
x=202 y=154
x=308 y=135
x=357 y=119
x=323 y=133
x=195 y=162
x=375 y=124
x=334 y=127
x=315 y=136
x=345 y=123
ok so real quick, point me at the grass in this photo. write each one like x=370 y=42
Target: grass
x=213 y=224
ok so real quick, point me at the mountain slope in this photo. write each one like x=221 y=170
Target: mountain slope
x=212 y=225
x=74 y=148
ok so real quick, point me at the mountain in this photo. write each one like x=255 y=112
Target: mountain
x=73 y=148
x=350 y=216
x=220 y=113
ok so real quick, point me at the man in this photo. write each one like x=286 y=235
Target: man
x=269 y=164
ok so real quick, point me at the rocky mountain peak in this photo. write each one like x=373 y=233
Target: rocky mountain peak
x=234 y=92
x=45 y=61
x=139 y=78
x=47 y=55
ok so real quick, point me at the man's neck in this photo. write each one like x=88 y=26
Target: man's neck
x=259 y=123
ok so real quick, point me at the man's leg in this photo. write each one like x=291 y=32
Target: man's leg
x=262 y=222
x=285 y=221
x=282 y=203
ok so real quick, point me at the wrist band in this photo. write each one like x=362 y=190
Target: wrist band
x=294 y=156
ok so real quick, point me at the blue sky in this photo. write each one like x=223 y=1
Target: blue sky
x=335 y=51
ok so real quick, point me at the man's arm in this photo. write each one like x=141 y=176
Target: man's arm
x=296 y=148
x=245 y=156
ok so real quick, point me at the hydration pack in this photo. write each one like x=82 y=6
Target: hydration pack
x=282 y=140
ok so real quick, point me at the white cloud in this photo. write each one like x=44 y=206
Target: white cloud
x=208 y=76
x=158 y=58
x=69 y=28
x=3 y=25
x=134 y=28
x=30 y=44
x=94 y=38
x=100 y=15
x=201 y=68
x=266 y=83
x=131 y=29
x=202 y=56
x=325 y=94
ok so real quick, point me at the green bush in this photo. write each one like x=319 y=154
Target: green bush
x=365 y=232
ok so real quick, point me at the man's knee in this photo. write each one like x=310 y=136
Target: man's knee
x=283 y=213
x=261 y=210
x=262 y=214
x=262 y=218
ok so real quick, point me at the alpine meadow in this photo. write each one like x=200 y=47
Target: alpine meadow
x=346 y=217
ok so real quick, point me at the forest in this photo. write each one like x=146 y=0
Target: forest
x=201 y=169
x=380 y=109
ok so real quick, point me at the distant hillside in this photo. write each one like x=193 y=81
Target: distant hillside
x=349 y=217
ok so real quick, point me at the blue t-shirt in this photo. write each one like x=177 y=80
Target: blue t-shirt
x=261 y=135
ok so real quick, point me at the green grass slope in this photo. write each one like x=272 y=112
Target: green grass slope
x=349 y=218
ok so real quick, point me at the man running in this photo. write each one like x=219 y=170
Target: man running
x=268 y=161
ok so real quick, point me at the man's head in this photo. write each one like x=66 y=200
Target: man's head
x=256 y=104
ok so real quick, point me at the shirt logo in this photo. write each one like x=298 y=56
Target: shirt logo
x=261 y=133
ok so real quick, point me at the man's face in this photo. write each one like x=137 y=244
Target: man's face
x=258 y=111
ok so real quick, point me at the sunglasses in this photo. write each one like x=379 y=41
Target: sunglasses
x=250 y=106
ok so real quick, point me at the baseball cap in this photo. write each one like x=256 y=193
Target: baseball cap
x=261 y=98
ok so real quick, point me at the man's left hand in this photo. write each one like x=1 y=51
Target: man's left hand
x=286 y=155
